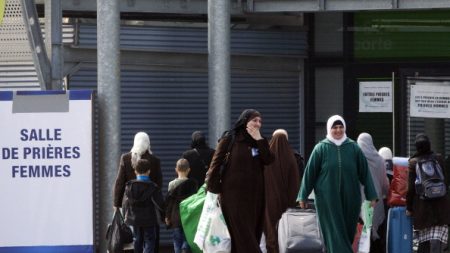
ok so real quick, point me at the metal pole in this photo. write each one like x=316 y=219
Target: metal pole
x=218 y=67
x=108 y=67
x=53 y=41
x=301 y=110
x=393 y=113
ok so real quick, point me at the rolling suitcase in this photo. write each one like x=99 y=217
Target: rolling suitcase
x=299 y=231
x=399 y=231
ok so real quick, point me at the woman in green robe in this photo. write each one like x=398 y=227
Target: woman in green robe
x=335 y=171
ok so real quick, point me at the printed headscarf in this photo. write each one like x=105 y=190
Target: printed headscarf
x=140 y=146
x=330 y=124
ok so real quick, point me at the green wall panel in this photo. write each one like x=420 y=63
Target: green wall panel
x=413 y=34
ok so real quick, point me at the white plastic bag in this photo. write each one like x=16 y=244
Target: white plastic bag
x=212 y=234
x=367 y=215
x=218 y=238
x=364 y=242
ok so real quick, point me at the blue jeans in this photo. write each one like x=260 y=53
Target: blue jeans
x=144 y=239
x=179 y=241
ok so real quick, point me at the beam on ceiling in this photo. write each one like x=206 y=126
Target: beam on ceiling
x=146 y=59
x=342 y=5
x=239 y=7
x=149 y=6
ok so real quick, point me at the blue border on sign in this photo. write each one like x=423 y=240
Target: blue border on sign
x=39 y=92
x=73 y=94
x=6 y=95
x=80 y=94
x=49 y=249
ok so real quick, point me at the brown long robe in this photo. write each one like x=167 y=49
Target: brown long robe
x=126 y=173
x=282 y=182
x=242 y=190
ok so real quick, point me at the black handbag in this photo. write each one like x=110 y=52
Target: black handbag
x=214 y=178
x=118 y=233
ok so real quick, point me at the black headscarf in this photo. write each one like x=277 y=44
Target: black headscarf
x=244 y=118
x=423 y=145
x=198 y=140
x=240 y=125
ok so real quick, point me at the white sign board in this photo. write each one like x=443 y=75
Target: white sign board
x=46 y=172
x=430 y=101
x=375 y=96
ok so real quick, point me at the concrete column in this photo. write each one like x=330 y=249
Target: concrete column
x=108 y=67
x=218 y=67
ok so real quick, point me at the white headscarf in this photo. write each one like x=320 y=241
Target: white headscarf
x=376 y=164
x=280 y=131
x=386 y=153
x=330 y=122
x=140 y=145
x=380 y=181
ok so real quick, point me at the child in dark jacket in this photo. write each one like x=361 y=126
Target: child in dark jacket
x=142 y=202
x=179 y=189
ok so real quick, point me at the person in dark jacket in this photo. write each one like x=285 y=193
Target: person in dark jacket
x=140 y=150
x=431 y=216
x=282 y=181
x=241 y=185
x=179 y=189
x=199 y=157
x=142 y=202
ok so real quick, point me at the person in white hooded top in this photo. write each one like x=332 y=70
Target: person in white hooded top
x=378 y=172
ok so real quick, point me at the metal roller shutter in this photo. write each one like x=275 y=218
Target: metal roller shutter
x=194 y=40
x=170 y=102
x=170 y=105
x=274 y=95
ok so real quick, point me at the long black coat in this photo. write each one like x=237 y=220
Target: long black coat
x=426 y=213
x=242 y=190
x=126 y=173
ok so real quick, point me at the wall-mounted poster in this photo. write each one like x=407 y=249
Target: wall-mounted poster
x=46 y=172
x=429 y=100
x=375 y=96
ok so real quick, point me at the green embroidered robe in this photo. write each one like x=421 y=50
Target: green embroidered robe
x=336 y=174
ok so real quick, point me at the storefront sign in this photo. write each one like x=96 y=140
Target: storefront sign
x=375 y=96
x=430 y=101
x=46 y=172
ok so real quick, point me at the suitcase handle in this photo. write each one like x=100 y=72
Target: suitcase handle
x=309 y=205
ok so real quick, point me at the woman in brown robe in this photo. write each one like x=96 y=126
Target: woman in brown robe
x=282 y=182
x=242 y=182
